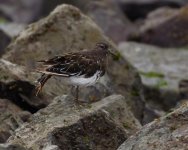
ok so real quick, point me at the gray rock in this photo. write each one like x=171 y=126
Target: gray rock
x=168 y=31
x=157 y=17
x=160 y=69
x=168 y=132
x=183 y=89
x=12 y=29
x=102 y=12
x=66 y=29
x=5 y=40
x=11 y=147
x=139 y=9
x=109 y=17
x=180 y=2
x=21 y=11
x=16 y=84
x=64 y=125
x=9 y=119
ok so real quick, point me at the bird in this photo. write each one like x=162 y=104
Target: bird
x=82 y=68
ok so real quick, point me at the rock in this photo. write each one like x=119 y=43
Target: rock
x=169 y=33
x=160 y=69
x=16 y=84
x=12 y=29
x=103 y=12
x=5 y=40
x=183 y=89
x=168 y=132
x=7 y=32
x=157 y=17
x=108 y=9
x=101 y=125
x=21 y=11
x=67 y=29
x=11 y=147
x=139 y=9
x=9 y=119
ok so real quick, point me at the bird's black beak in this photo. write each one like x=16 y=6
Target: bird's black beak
x=115 y=54
x=112 y=52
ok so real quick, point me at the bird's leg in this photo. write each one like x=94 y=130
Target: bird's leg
x=77 y=94
x=41 y=81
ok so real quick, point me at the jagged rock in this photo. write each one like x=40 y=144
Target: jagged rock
x=21 y=11
x=5 y=40
x=10 y=119
x=108 y=9
x=170 y=32
x=16 y=84
x=67 y=29
x=168 y=132
x=161 y=69
x=101 y=125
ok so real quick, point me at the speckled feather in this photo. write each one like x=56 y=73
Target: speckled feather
x=85 y=63
x=82 y=68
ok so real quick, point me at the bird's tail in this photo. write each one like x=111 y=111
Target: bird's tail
x=40 y=82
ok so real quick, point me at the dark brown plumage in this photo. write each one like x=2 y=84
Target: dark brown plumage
x=78 y=68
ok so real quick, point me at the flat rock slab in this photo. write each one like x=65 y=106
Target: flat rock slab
x=65 y=125
x=167 y=133
x=160 y=69
x=157 y=65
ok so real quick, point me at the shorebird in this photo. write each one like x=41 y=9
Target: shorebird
x=82 y=68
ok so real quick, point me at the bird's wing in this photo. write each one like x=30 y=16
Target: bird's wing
x=73 y=64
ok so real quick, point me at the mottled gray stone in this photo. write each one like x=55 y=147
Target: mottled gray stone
x=166 y=133
x=160 y=69
x=71 y=126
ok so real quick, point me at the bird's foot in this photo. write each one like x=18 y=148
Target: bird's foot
x=38 y=89
x=80 y=102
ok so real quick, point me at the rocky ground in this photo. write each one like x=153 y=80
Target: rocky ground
x=140 y=103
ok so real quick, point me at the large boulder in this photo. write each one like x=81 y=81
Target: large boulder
x=166 y=133
x=168 y=32
x=66 y=29
x=106 y=13
x=64 y=125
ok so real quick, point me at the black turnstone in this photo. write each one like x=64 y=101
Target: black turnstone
x=81 y=68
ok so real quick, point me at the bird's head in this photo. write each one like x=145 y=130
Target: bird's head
x=105 y=47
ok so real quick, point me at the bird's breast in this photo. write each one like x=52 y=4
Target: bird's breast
x=85 y=81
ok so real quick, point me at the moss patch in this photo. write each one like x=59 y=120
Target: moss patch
x=152 y=74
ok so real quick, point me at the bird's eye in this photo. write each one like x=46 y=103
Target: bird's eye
x=103 y=46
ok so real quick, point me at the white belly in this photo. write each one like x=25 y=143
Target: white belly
x=81 y=81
